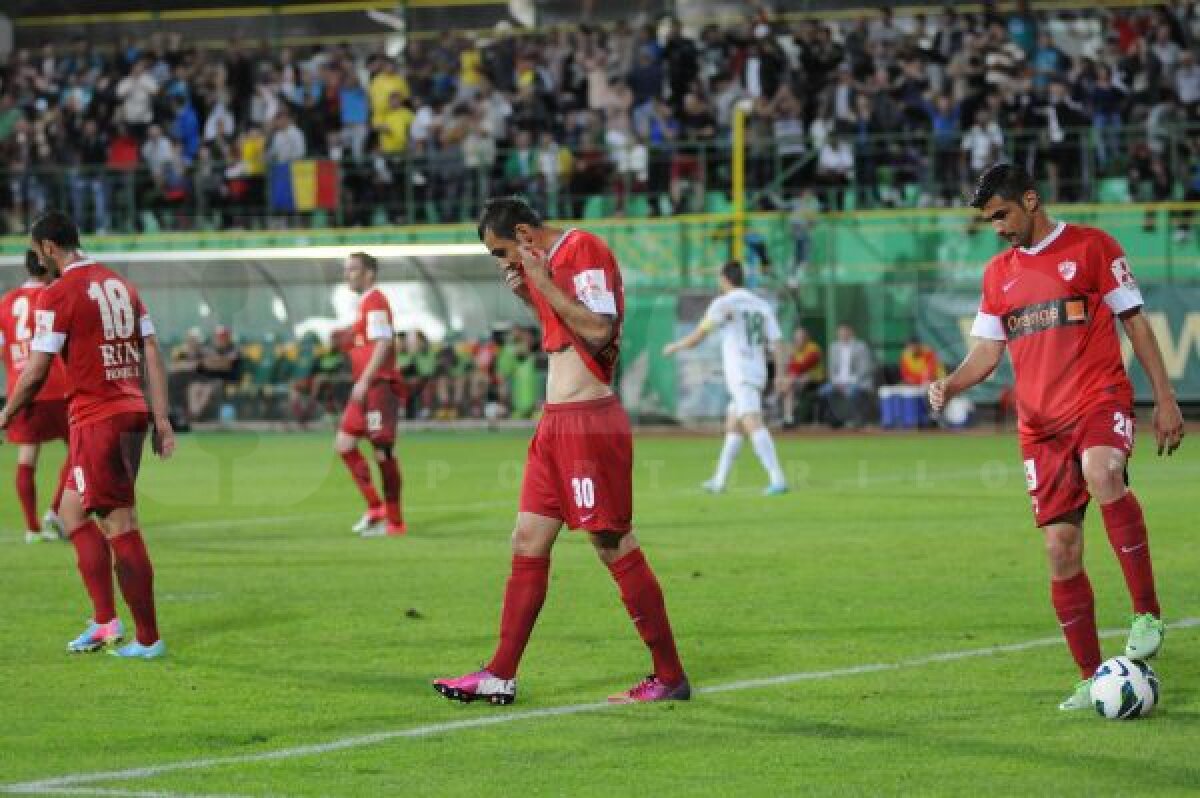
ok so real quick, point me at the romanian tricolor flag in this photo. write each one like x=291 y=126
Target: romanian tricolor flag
x=304 y=185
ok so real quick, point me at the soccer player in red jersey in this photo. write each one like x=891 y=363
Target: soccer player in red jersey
x=578 y=470
x=45 y=418
x=1052 y=300
x=92 y=318
x=372 y=408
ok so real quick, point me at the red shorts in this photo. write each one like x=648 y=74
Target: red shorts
x=105 y=457
x=1054 y=466
x=39 y=422
x=375 y=418
x=580 y=466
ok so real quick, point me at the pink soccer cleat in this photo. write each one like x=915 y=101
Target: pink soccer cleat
x=478 y=686
x=651 y=689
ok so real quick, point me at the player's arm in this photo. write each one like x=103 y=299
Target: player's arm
x=34 y=375
x=980 y=362
x=1168 y=420
x=691 y=339
x=595 y=329
x=163 y=441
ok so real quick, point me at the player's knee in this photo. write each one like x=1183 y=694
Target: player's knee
x=1105 y=478
x=1065 y=555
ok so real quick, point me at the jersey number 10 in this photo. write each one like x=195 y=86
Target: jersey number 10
x=116 y=308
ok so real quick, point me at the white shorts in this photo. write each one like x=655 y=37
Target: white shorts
x=745 y=399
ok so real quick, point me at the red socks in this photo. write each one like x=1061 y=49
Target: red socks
x=1127 y=533
x=360 y=471
x=95 y=566
x=389 y=470
x=27 y=494
x=644 y=600
x=523 y=598
x=1074 y=605
x=136 y=577
x=63 y=473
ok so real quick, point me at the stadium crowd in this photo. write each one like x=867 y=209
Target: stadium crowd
x=887 y=109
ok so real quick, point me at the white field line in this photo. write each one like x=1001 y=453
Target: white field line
x=56 y=784
x=115 y=793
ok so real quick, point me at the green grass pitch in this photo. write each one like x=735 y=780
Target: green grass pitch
x=287 y=631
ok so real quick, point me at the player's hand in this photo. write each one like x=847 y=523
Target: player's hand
x=358 y=394
x=163 y=439
x=534 y=264
x=937 y=395
x=670 y=348
x=5 y=418
x=1168 y=426
x=514 y=278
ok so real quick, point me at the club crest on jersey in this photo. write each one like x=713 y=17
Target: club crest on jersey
x=1067 y=269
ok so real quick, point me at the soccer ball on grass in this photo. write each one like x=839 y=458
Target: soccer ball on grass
x=1124 y=689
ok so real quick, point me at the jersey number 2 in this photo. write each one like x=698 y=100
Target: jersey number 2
x=116 y=308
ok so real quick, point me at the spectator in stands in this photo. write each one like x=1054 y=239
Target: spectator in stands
x=186 y=360
x=87 y=178
x=835 y=169
x=850 y=377
x=806 y=372
x=286 y=143
x=137 y=92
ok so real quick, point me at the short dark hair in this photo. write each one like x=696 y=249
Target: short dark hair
x=1005 y=180
x=501 y=215
x=56 y=227
x=33 y=264
x=368 y=261
x=734 y=273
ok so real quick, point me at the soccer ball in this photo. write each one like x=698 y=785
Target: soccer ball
x=1124 y=689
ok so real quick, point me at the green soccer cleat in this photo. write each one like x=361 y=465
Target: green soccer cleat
x=1145 y=636
x=1080 y=697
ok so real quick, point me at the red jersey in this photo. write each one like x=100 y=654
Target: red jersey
x=583 y=267
x=373 y=323
x=1055 y=305
x=16 y=333
x=94 y=319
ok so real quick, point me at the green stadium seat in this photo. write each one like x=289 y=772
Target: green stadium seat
x=597 y=206
x=1114 y=190
x=379 y=217
x=320 y=219
x=717 y=202
x=638 y=207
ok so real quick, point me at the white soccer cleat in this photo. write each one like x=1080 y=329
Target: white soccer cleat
x=52 y=527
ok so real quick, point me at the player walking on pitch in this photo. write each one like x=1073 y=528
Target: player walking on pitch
x=93 y=319
x=45 y=418
x=372 y=407
x=579 y=467
x=1051 y=301
x=748 y=328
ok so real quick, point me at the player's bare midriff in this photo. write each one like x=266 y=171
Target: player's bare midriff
x=569 y=380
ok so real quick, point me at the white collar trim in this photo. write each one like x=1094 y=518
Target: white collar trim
x=1037 y=248
x=84 y=262
x=559 y=243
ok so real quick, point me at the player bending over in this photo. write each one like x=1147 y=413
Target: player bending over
x=93 y=319
x=371 y=410
x=1052 y=300
x=579 y=467
x=45 y=418
x=748 y=328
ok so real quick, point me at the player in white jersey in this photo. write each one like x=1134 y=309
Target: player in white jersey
x=748 y=329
